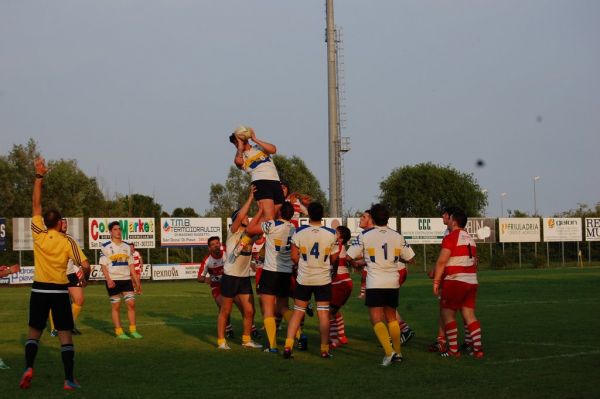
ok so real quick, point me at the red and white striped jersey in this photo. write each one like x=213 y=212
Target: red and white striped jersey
x=343 y=274
x=462 y=265
x=212 y=267
x=136 y=260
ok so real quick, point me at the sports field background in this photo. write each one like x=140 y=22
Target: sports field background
x=540 y=336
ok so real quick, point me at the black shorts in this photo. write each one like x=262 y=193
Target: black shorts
x=73 y=280
x=268 y=189
x=274 y=283
x=121 y=286
x=231 y=286
x=380 y=297
x=46 y=297
x=304 y=292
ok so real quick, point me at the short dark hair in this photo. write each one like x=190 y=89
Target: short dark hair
x=379 y=214
x=284 y=183
x=460 y=217
x=211 y=239
x=315 y=211
x=113 y=224
x=235 y=214
x=287 y=211
x=448 y=210
x=344 y=233
x=233 y=139
x=52 y=218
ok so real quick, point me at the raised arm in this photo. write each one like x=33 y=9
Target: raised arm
x=40 y=172
x=268 y=147
x=239 y=154
x=243 y=211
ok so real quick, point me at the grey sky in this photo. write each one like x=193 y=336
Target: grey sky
x=144 y=93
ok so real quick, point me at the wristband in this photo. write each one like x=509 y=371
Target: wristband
x=39 y=176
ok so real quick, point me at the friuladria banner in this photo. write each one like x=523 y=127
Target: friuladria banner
x=23 y=241
x=183 y=271
x=2 y=234
x=482 y=229
x=592 y=229
x=188 y=232
x=352 y=224
x=562 y=229
x=139 y=231
x=519 y=229
x=422 y=230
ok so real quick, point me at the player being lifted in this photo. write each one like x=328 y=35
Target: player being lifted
x=121 y=280
x=457 y=268
x=256 y=160
x=382 y=249
x=273 y=286
x=235 y=283
x=314 y=249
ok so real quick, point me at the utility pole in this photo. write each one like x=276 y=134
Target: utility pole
x=335 y=197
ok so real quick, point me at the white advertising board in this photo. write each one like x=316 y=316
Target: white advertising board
x=97 y=275
x=183 y=271
x=592 y=229
x=519 y=229
x=188 y=232
x=352 y=224
x=23 y=241
x=139 y=231
x=422 y=230
x=562 y=229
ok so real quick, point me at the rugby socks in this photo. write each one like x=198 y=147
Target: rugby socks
x=67 y=352
x=76 y=309
x=384 y=338
x=271 y=329
x=333 y=329
x=468 y=339
x=246 y=339
x=253 y=330
x=341 y=326
x=31 y=348
x=221 y=341
x=289 y=343
x=403 y=326
x=324 y=348
x=132 y=328
x=452 y=336
x=118 y=331
x=394 y=329
x=475 y=333
x=228 y=328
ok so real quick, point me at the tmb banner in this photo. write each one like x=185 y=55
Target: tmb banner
x=188 y=232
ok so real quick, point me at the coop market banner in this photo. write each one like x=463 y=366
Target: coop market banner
x=483 y=230
x=562 y=229
x=592 y=229
x=423 y=230
x=519 y=229
x=23 y=240
x=2 y=234
x=182 y=271
x=188 y=232
x=139 y=231
x=352 y=224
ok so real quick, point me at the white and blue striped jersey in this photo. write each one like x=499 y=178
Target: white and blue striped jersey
x=259 y=164
x=117 y=258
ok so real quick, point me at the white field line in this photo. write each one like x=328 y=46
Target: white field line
x=551 y=344
x=535 y=359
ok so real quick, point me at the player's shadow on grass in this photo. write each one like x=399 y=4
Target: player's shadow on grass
x=198 y=325
x=102 y=325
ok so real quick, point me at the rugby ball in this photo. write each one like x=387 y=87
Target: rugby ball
x=243 y=132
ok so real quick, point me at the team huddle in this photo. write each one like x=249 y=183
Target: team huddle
x=290 y=262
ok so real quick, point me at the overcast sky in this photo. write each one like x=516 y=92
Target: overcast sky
x=144 y=93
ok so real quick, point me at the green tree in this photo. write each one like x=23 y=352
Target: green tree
x=184 y=213
x=423 y=190
x=134 y=205
x=294 y=172
x=582 y=211
x=16 y=180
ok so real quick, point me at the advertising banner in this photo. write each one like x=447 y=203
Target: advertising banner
x=97 y=274
x=25 y=276
x=352 y=224
x=182 y=271
x=2 y=234
x=592 y=229
x=188 y=232
x=519 y=229
x=332 y=223
x=23 y=241
x=482 y=229
x=139 y=231
x=422 y=230
x=562 y=229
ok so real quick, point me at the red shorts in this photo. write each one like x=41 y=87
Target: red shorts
x=457 y=294
x=215 y=290
x=403 y=274
x=340 y=292
x=258 y=273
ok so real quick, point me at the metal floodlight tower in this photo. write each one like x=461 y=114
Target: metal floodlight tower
x=335 y=168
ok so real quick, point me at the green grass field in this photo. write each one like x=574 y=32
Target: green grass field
x=540 y=332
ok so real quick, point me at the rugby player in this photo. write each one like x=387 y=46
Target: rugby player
x=273 y=285
x=341 y=289
x=382 y=249
x=314 y=250
x=49 y=291
x=122 y=281
x=457 y=268
x=235 y=282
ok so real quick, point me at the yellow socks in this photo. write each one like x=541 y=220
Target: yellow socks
x=271 y=329
x=76 y=309
x=245 y=339
x=394 y=328
x=51 y=321
x=132 y=328
x=221 y=341
x=118 y=331
x=324 y=348
x=384 y=338
x=289 y=343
